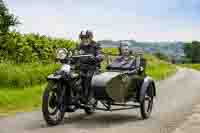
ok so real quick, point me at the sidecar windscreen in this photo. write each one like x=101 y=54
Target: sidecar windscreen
x=120 y=65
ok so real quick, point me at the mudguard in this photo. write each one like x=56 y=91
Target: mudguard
x=147 y=81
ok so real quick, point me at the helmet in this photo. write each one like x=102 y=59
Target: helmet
x=86 y=34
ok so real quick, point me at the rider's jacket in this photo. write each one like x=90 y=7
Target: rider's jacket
x=94 y=49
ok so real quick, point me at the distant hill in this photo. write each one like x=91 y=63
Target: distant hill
x=171 y=49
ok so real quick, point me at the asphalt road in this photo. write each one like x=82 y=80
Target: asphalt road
x=175 y=98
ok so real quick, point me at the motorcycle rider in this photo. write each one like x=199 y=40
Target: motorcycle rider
x=89 y=46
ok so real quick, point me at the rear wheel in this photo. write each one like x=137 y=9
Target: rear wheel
x=53 y=112
x=146 y=105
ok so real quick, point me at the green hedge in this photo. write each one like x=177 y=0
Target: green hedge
x=26 y=48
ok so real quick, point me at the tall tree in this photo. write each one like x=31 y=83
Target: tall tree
x=7 y=19
x=196 y=52
x=192 y=51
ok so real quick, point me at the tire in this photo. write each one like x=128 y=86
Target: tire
x=45 y=106
x=146 y=108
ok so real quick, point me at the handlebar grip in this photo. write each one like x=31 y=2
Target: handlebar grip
x=130 y=72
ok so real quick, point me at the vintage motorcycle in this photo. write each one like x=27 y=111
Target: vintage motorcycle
x=117 y=86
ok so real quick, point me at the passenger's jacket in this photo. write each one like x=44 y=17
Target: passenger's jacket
x=121 y=63
x=130 y=64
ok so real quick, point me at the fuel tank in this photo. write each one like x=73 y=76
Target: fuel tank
x=113 y=85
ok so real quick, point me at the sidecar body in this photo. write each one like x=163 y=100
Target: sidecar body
x=120 y=85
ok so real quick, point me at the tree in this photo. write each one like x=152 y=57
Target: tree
x=196 y=52
x=7 y=19
x=192 y=51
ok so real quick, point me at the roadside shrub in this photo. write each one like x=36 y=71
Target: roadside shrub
x=27 y=48
x=159 y=69
x=161 y=56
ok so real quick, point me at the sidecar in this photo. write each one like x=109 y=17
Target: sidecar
x=125 y=87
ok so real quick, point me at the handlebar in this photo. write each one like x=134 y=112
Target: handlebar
x=78 y=56
x=81 y=58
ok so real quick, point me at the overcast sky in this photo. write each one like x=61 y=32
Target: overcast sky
x=142 y=20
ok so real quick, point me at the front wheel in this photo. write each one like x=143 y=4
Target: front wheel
x=146 y=104
x=53 y=112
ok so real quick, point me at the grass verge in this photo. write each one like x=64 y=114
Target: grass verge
x=20 y=100
x=24 y=75
x=159 y=69
x=193 y=66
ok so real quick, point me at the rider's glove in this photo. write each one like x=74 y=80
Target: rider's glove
x=141 y=69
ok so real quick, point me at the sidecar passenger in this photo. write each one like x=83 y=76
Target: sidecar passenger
x=121 y=63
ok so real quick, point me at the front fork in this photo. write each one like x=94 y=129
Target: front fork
x=66 y=100
x=64 y=97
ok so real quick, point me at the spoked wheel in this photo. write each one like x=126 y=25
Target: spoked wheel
x=53 y=112
x=146 y=105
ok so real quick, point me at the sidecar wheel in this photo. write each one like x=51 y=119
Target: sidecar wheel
x=146 y=105
x=56 y=116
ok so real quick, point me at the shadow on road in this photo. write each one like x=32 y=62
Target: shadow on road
x=101 y=120
x=96 y=120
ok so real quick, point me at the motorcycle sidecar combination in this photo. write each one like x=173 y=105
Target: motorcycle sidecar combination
x=117 y=86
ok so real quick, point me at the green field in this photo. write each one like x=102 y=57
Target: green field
x=22 y=85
